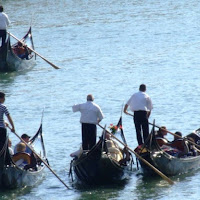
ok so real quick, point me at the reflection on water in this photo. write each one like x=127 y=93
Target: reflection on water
x=14 y=193
x=6 y=78
x=101 y=192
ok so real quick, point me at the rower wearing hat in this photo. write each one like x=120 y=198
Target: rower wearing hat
x=26 y=138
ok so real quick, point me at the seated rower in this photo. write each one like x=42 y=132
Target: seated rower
x=21 y=158
x=160 y=136
x=180 y=144
x=21 y=51
x=10 y=147
x=26 y=138
x=193 y=151
x=113 y=148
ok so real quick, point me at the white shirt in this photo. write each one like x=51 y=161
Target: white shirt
x=140 y=101
x=90 y=112
x=11 y=151
x=4 y=21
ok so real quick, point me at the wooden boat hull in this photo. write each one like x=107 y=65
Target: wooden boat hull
x=99 y=167
x=102 y=171
x=170 y=165
x=167 y=162
x=13 y=177
x=9 y=61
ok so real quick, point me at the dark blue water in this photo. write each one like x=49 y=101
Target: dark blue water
x=107 y=48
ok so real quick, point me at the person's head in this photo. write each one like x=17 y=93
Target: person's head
x=1 y=8
x=108 y=136
x=142 y=88
x=177 y=135
x=19 y=44
x=25 y=137
x=162 y=131
x=21 y=147
x=2 y=97
x=90 y=97
x=9 y=143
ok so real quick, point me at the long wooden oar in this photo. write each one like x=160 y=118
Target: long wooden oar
x=56 y=67
x=41 y=159
x=142 y=159
x=170 y=132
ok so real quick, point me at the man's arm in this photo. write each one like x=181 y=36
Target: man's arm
x=125 y=109
x=76 y=107
x=11 y=123
x=148 y=114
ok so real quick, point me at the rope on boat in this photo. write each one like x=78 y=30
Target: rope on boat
x=70 y=171
x=137 y=162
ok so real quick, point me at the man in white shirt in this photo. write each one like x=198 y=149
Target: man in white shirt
x=140 y=103
x=4 y=22
x=91 y=115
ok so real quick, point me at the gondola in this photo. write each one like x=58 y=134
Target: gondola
x=166 y=159
x=10 y=60
x=103 y=164
x=13 y=176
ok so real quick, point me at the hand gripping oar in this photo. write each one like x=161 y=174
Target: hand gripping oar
x=41 y=159
x=142 y=159
x=34 y=51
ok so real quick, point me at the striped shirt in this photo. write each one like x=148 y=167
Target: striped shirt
x=3 y=110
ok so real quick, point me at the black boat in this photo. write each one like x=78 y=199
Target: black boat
x=10 y=60
x=105 y=163
x=169 y=160
x=13 y=176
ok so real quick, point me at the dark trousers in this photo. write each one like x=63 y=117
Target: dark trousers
x=5 y=155
x=89 y=133
x=3 y=133
x=141 y=125
x=3 y=36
